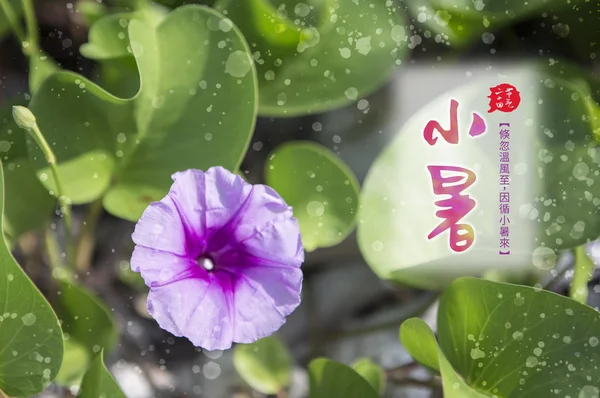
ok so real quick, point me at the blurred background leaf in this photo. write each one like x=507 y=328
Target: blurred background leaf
x=322 y=190
x=335 y=380
x=314 y=56
x=87 y=324
x=266 y=365
x=371 y=372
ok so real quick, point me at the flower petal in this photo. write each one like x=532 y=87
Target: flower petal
x=263 y=207
x=160 y=228
x=256 y=316
x=160 y=268
x=281 y=286
x=188 y=193
x=196 y=308
x=277 y=243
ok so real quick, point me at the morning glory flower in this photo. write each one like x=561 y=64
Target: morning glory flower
x=221 y=258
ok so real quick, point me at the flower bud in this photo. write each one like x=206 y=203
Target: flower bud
x=23 y=117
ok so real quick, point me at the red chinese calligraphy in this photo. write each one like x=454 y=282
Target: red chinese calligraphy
x=450 y=135
x=504 y=98
x=454 y=208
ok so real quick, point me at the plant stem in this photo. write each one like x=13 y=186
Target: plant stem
x=12 y=20
x=85 y=241
x=65 y=203
x=584 y=270
x=32 y=25
x=26 y=120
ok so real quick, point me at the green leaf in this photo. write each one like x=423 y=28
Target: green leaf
x=557 y=157
x=71 y=370
x=91 y=11
x=98 y=382
x=584 y=269
x=518 y=341
x=322 y=190
x=335 y=380
x=265 y=365
x=371 y=372
x=109 y=36
x=462 y=22
x=313 y=56
x=32 y=344
x=28 y=205
x=196 y=109
x=419 y=341
x=40 y=67
x=87 y=323
x=416 y=335
x=454 y=386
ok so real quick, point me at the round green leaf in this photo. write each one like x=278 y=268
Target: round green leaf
x=554 y=197
x=322 y=190
x=518 y=341
x=91 y=11
x=32 y=344
x=371 y=372
x=98 y=382
x=196 y=108
x=335 y=380
x=265 y=365
x=419 y=341
x=313 y=56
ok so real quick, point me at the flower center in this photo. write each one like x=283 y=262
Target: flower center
x=206 y=263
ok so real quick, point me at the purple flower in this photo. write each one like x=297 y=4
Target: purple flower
x=221 y=257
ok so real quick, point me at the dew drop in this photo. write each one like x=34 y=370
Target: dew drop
x=238 y=64
x=28 y=319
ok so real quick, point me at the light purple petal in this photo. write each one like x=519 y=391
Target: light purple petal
x=160 y=268
x=225 y=195
x=281 y=286
x=188 y=193
x=196 y=308
x=256 y=316
x=160 y=228
x=277 y=243
x=260 y=209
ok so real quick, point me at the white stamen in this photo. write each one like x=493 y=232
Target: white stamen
x=206 y=263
